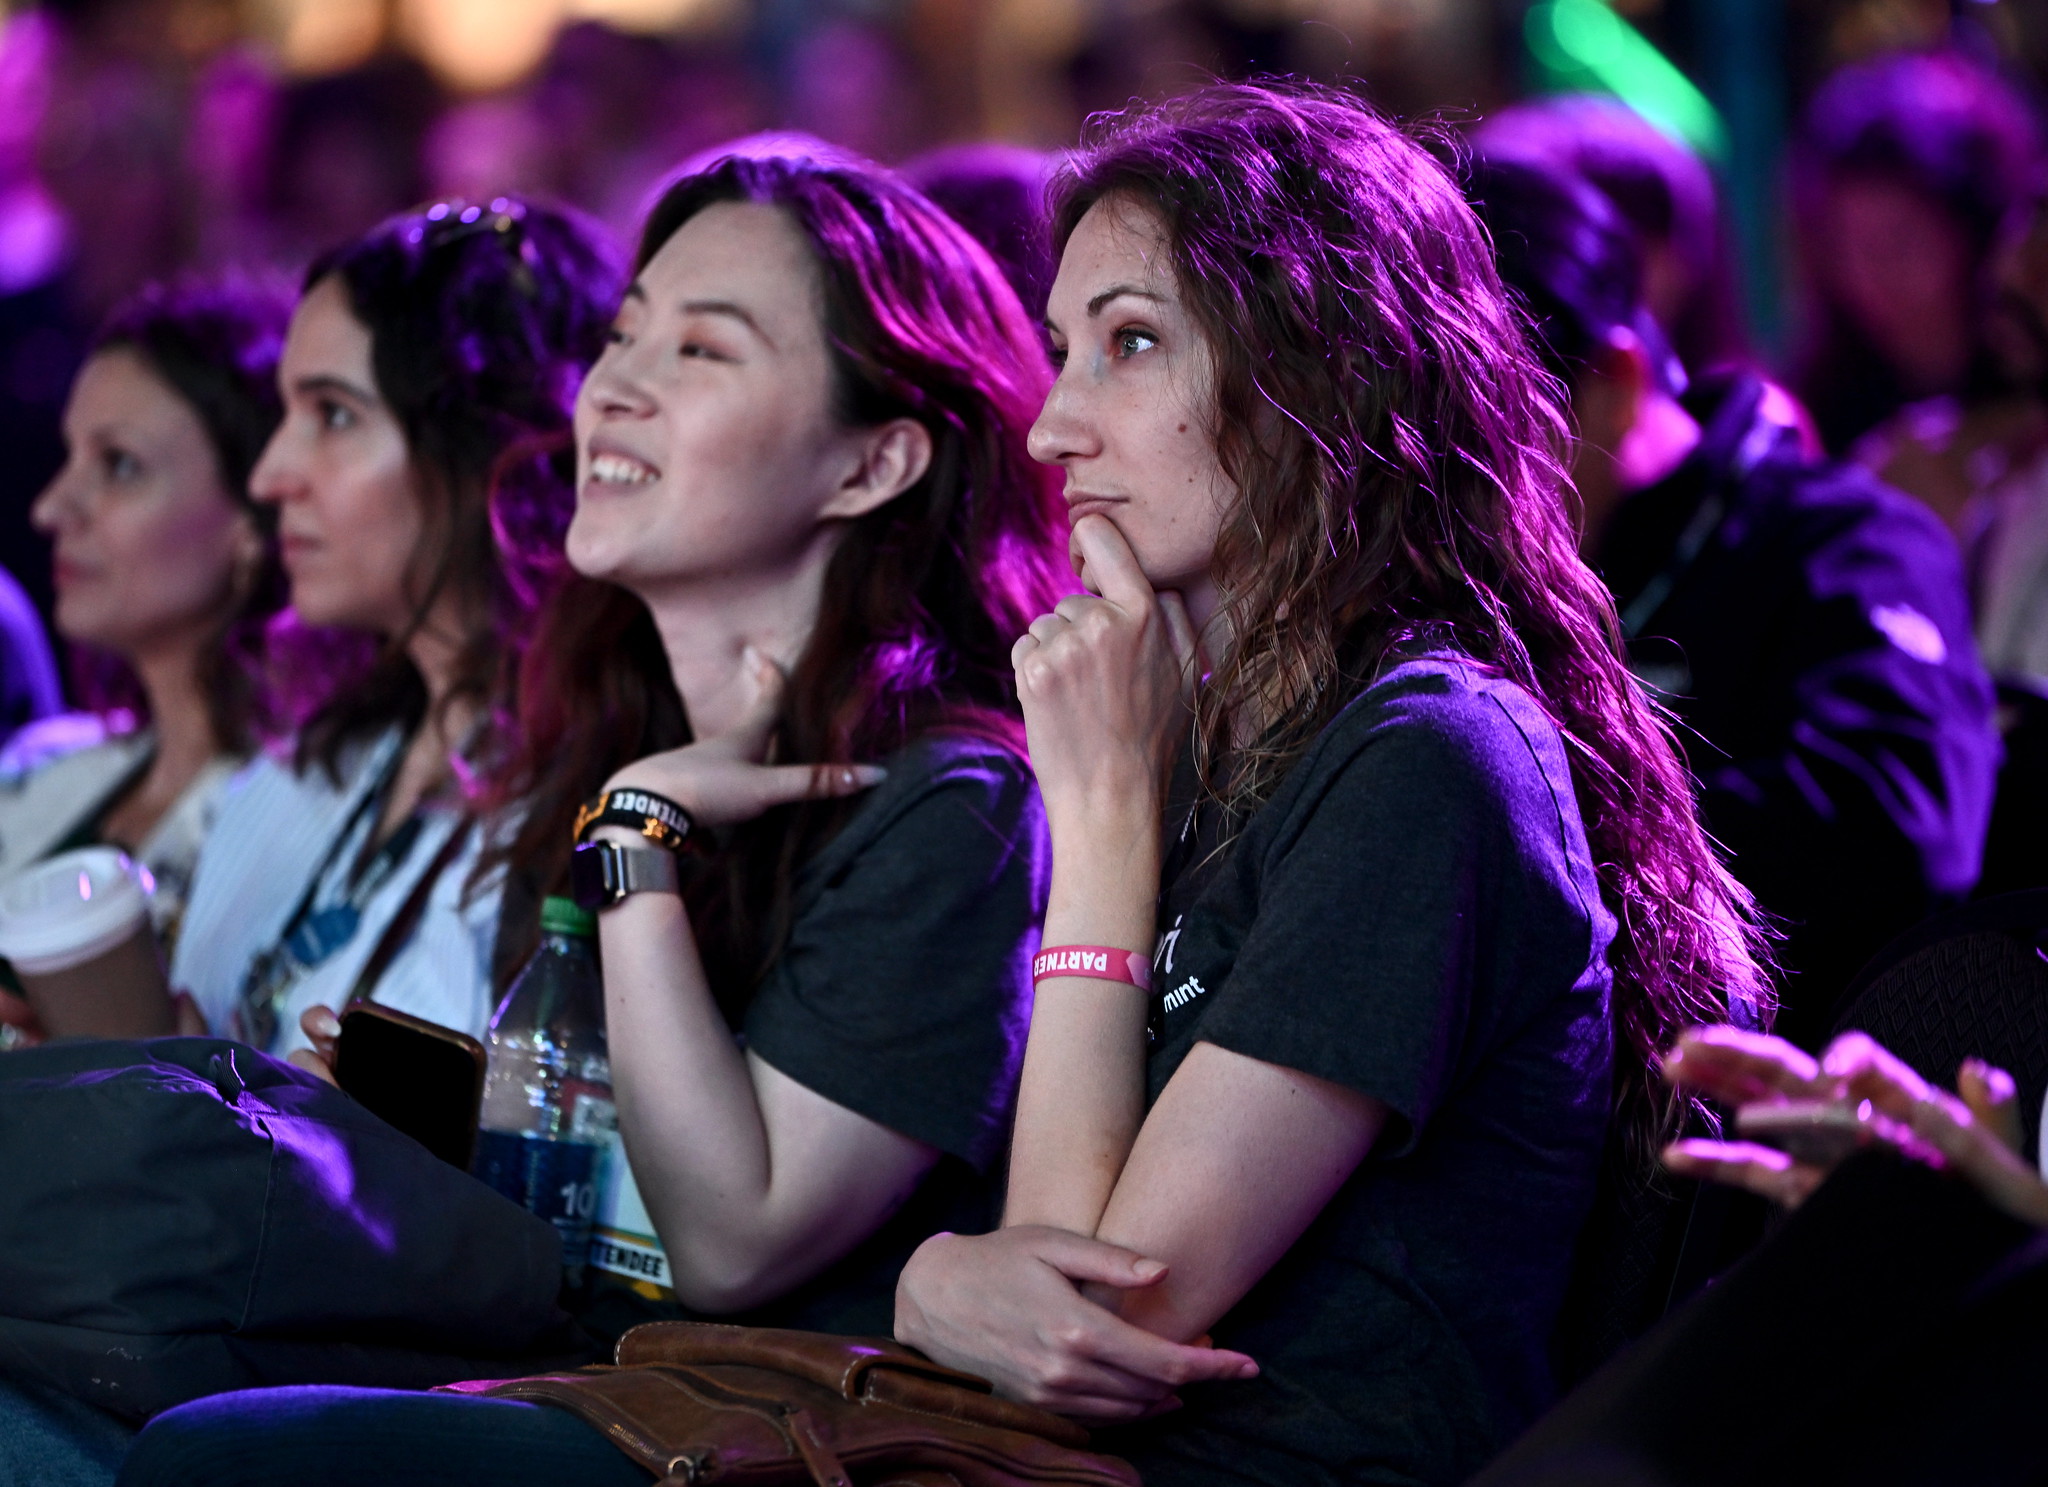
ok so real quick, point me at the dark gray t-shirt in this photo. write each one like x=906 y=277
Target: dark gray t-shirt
x=904 y=994
x=1414 y=915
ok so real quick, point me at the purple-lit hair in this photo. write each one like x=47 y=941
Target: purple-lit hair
x=923 y=598
x=214 y=344
x=1398 y=456
x=482 y=320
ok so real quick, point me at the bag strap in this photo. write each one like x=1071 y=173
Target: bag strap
x=859 y=1370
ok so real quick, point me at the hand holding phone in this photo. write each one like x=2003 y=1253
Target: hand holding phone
x=424 y=1079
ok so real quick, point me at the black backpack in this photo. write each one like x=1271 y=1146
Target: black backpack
x=185 y=1216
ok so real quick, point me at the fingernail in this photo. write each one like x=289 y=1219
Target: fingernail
x=328 y=1024
x=865 y=774
x=1148 y=1269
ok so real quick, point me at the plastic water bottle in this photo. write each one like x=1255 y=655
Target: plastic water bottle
x=548 y=1116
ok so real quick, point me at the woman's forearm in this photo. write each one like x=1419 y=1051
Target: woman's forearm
x=687 y=1104
x=1082 y=1095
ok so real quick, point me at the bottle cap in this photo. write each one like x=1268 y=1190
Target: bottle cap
x=564 y=916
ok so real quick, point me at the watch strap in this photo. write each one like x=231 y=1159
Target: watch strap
x=601 y=874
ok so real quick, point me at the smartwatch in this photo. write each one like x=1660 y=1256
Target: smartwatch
x=601 y=874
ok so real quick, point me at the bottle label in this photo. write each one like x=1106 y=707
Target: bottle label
x=556 y=1180
x=623 y=1242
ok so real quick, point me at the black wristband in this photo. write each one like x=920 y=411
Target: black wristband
x=655 y=817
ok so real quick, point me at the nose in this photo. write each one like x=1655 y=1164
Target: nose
x=275 y=476
x=60 y=505
x=615 y=387
x=1062 y=431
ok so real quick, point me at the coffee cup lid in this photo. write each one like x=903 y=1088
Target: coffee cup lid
x=70 y=908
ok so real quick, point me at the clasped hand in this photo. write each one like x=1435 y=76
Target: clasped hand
x=1974 y=1132
x=1105 y=681
x=1009 y=1306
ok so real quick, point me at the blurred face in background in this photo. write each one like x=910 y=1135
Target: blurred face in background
x=151 y=550
x=1898 y=265
x=339 y=471
x=2018 y=329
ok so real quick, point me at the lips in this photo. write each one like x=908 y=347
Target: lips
x=1080 y=504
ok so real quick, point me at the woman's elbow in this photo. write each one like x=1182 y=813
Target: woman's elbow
x=719 y=1280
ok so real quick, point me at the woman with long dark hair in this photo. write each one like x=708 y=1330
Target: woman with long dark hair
x=167 y=577
x=421 y=486
x=809 y=533
x=1342 y=727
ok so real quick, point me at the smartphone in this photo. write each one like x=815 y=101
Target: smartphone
x=425 y=1079
x=1817 y=1133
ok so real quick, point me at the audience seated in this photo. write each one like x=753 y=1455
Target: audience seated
x=428 y=368
x=166 y=578
x=1414 y=953
x=424 y=374
x=1807 y=625
x=808 y=533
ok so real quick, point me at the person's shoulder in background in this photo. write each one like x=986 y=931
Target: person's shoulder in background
x=29 y=685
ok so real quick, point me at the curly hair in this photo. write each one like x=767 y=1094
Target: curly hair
x=482 y=321
x=1397 y=451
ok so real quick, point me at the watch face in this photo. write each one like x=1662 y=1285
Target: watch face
x=587 y=877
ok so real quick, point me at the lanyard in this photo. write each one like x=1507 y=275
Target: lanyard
x=312 y=934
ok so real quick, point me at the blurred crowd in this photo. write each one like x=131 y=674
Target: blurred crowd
x=1826 y=543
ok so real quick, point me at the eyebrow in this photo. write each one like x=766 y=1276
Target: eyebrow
x=725 y=307
x=327 y=382
x=1118 y=291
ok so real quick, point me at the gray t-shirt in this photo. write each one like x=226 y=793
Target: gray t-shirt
x=904 y=994
x=1414 y=914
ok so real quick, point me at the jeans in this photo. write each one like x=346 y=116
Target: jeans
x=326 y=1436
x=53 y=1440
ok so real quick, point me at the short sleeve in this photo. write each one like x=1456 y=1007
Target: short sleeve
x=904 y=992
x=1420 y=905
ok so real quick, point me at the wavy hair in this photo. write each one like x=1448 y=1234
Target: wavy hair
x=924 y=596
x=482 y=321
x=1397 y=450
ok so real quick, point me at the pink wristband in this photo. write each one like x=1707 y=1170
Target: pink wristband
x=1101 y=962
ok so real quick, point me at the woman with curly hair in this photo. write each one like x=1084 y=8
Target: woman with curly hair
x=1377 y=883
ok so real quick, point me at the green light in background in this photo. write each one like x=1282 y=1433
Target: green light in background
x=1582 y=46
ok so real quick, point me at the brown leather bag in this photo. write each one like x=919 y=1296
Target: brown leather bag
x=700 y=1402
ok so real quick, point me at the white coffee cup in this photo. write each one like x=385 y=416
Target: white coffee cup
x=77 y=931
